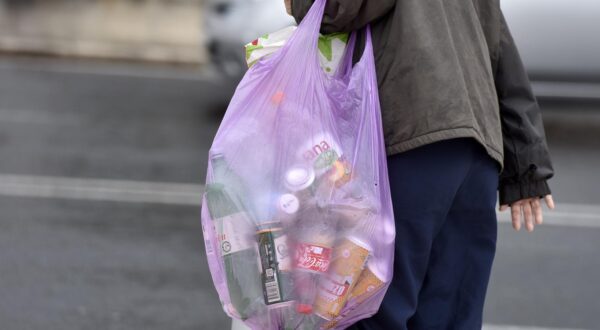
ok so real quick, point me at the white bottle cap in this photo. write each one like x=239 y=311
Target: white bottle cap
x=299 y=178
x=288 y=203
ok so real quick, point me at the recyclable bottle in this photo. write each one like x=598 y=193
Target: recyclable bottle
x=316 y=235
x=236 y=233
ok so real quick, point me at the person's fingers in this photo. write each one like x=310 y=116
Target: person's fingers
x=528 y=215
x=537 y=211
x=288 y=6
x=515 y=212
x=549 y=201
x=503 y=208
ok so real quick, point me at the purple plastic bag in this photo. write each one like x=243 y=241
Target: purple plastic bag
x=297 y=214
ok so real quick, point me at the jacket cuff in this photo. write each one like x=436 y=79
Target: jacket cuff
x=513 y=192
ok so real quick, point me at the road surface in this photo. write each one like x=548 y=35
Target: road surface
x=101 y=170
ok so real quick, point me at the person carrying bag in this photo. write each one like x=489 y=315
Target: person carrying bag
x=461 y=126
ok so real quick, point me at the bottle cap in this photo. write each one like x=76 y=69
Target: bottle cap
x=278 y=97
x=304 y=308
x=288 y=204
x=299 y=178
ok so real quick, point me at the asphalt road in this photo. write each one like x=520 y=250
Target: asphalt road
x=126 y=251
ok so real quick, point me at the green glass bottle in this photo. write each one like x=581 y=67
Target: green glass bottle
x=236 y=236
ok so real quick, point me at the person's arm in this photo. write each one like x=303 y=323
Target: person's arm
x=527 y=164
x=345 y=15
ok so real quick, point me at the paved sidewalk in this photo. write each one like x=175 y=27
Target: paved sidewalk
x=139 y=30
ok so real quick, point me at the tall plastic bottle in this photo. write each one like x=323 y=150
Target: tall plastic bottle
x=236 y=234
x=315 y=238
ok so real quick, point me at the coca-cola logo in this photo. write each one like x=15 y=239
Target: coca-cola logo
x=316 y=150
x=312 y=257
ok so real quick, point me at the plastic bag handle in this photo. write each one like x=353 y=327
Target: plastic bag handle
x=368 y=45
x=311 y=24
x=308 y=34
x=346 y=65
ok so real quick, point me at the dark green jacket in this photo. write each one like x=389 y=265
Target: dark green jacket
x=448 y=69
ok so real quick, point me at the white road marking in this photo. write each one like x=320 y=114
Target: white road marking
x=566 y=215
x=110 y=69
x=101 y=190
x=570 y=215
x=518 y=327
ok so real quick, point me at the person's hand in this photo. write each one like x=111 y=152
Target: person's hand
x=288 y=6
x=530 y=209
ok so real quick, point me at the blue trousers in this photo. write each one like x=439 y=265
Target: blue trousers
x=444 y=195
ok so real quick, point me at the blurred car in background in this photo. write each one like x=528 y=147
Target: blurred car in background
x=558 y=39
x=230 y=24
x=560 y=45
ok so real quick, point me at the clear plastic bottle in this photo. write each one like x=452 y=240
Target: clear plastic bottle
x=225 y=197
x=314 y=239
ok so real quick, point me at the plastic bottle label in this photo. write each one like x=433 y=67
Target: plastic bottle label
x=208 y=244
x=283 y=254
x=313 y=257
x=274 y=260
x=234 y=233
x=318 y=145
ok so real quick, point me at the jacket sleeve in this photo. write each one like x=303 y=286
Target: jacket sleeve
x=345 y=15
x=527 y=164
